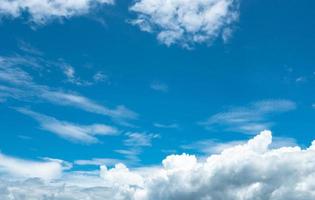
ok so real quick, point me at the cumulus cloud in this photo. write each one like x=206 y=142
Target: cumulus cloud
x=50 y=169
x=252 y=170
x=186 y=22
x=251 y=118
x=73 y=132
x=42 y=11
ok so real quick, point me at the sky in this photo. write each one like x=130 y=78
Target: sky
x=134 y=98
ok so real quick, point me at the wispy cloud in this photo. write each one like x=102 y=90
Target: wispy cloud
x=166 y=126
x=18 y=80
x=158 y=86
x=136 y=139
x=100 y=77
x=99 y=162
x=71 y=76
x=135 y=142
x=28 y=48
x=74 y=132
x=249 y=119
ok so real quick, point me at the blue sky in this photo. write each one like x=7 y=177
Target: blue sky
x=116 y=82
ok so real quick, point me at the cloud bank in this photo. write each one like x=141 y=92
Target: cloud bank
x=241 y=172
x=186 y=22
x=42 y=11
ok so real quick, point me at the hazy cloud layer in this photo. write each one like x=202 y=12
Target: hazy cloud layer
x=186 y=22
x=247 y=171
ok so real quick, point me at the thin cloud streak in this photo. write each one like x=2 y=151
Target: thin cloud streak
x=18 y=80
x=86 y=134
x=249 y=119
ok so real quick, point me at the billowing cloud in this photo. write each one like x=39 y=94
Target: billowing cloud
x=42 y=11
x=186 y=22
x=70 y=131
x=246 y=171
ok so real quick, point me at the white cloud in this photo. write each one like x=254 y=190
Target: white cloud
x=208 y=147
x=139 y=139
x=73 y=132
x=18 y=80
x=157 y=86
x=76 y=100
x=249 y=119
x=158 y=125
x=29 y=49
x=72 y=77
x=50 y=169
x=69 y=72
x=99 y=162
x=247 y=171
x=42 y=11
x=135 y=143
x=100 y=77
x=186 y=22
x=121 y=175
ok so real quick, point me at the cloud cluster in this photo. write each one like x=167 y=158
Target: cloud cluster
x=41 y=11
x=186 y=22
x=246 y=171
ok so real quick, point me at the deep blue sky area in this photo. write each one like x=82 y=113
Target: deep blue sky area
x=181 y=95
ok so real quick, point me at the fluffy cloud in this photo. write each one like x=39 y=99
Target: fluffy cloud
x=246 y=171
x=41 y=11
x=184 y=21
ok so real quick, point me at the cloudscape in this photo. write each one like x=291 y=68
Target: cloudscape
x=157 y=100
